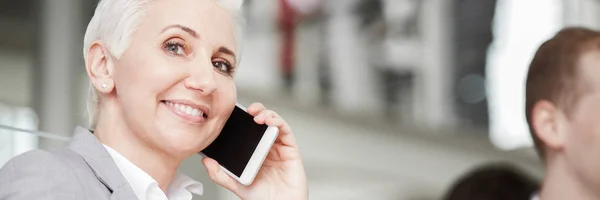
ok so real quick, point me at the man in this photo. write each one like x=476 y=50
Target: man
x=563 y=113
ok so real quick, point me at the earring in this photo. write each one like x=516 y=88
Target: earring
x=104 y=85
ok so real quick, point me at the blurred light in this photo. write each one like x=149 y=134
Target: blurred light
x=472 y=88
x=305 y=7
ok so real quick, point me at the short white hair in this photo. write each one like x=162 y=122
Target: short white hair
x=115 y=21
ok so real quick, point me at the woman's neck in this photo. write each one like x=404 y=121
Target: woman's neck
x=114 y=133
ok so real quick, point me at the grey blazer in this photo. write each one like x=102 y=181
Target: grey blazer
x=83 y=170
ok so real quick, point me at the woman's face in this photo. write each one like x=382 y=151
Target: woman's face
x=174 y=84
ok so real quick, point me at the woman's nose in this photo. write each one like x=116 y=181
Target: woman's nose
x=202 y=78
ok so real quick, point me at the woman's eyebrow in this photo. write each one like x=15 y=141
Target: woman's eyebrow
x=225 y=50
x=188 y=30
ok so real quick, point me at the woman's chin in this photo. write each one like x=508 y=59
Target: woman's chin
x=182 y=151
x=182 y=140
x=174 y=143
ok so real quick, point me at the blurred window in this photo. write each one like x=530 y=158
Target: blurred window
x=13 y=143
x=520 y=27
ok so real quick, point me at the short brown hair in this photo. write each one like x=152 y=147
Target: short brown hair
x=554 y=72
x=493 y=181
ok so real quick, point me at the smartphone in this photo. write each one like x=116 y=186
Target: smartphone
x=242 y=145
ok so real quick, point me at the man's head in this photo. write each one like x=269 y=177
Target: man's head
x=563 y=100
x=493 y=181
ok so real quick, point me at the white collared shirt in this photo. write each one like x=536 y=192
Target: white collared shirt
x=146 y=188
x=536 y=196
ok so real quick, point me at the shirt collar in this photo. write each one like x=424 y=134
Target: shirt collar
x=141 y=182
x=185 y=183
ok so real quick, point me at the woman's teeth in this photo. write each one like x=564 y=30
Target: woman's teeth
x=185 y=109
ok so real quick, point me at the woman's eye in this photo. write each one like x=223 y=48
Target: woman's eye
x=223 y=66
x=175 y=48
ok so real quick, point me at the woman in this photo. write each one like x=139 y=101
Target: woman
x=143 y=57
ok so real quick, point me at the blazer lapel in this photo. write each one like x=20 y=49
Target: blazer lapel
x=93 y=152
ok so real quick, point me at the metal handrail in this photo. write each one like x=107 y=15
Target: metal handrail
x=37 y=133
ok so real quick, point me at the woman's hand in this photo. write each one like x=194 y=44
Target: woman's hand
x=282 y=174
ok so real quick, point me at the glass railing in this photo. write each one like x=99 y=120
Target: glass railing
x=15 y=141
x=19 y=132
x=36 y=133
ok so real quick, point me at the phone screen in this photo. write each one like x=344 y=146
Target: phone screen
x=236 y=143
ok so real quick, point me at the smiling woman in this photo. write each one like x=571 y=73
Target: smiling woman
x=162 y=87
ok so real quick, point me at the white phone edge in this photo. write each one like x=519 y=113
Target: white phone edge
x=257 y=158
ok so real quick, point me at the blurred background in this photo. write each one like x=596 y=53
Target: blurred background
x=389 y=99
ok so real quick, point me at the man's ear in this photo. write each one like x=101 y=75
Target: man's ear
x=549 y=124
x=99 y=65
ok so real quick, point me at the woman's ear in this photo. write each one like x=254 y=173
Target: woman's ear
x=99 y=65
